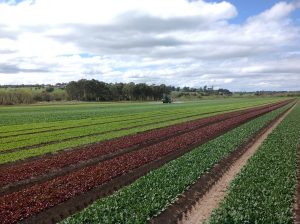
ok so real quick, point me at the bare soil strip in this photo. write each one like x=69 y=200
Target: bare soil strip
x=16 y=186
x=196 y=204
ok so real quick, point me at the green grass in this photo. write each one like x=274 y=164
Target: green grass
x=263 y=192
x=153 y=192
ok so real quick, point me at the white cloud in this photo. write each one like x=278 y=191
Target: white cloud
x=277 y=12
x=161 y=41
x=41 y=12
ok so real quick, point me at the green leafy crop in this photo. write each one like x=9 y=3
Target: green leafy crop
x=263 y=191
x=73 y=134
x=152 y=193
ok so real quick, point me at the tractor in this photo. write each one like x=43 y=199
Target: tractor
x=166 y=99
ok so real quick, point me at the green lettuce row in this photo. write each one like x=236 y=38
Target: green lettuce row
x=28 y=117
x=153 y=192
x=21 y=141
x=38 y=138
x=263 y=191
x=25 y=128
x=35 y=114
x=50 y=113
x=23 y=154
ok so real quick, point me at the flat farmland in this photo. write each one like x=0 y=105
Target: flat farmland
x=30 y=131
x=129 y=162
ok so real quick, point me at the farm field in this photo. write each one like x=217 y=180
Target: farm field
x=128 y=162
x=31 y=131
x=264 y=190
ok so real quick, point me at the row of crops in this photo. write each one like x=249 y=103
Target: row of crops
x=46 y=114
x=152 y=193
x=50 y=139
x=66 y=139
x=52 y=192
x=143 y=162
x=95 y=128
x=264 y=190
x=57 y=161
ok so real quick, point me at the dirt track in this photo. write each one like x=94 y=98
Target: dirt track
x=211 y=200
x=196 y=204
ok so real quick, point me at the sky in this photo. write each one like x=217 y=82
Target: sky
x=235 y=44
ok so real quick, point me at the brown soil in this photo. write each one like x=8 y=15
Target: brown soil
x=197 y=204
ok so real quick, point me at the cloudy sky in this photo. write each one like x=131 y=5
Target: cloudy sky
x=236 y=44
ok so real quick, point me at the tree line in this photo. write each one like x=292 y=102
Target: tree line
x=94 y=90
x=28 y=96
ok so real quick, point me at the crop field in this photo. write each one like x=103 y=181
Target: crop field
x=135 y=162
